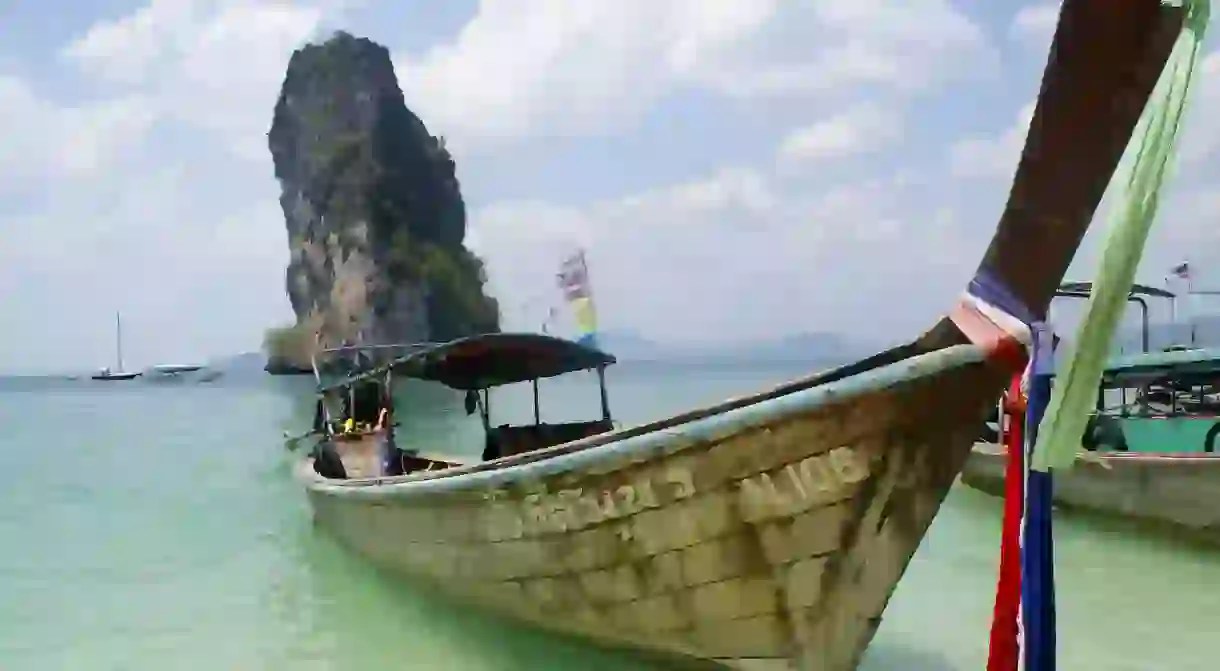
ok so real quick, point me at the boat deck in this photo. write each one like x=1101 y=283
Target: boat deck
x=361 y=455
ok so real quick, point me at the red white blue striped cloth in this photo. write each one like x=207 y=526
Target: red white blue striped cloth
x=1023 y=624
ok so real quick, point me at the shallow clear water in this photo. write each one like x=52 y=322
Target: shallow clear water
x=157 y=526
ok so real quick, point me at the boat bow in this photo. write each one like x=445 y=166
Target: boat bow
x=775 y=527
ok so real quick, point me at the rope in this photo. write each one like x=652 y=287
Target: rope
x=1076 y=388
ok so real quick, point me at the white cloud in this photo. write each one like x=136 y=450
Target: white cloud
x=1035 y=24
x=1187 y=216
x=551 y=67
x=1201 y=138
x=558 y=67
x=213 y=64
x=991 y=157
x=176 y=233
x=982 y=156
x=735 y=256
x=820 y=47
x=859 y=129
x=50 y=142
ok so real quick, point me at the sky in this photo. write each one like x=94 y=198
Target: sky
x=735 y=169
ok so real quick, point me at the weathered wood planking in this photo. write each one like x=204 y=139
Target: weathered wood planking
x=773 y=540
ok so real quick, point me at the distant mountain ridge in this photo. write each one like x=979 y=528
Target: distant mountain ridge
x=834 y=348
x=813 y=347
x=246 y=363
x=795 y=348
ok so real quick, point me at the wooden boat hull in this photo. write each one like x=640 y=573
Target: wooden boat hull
x=774 y=532
x=1175 y=491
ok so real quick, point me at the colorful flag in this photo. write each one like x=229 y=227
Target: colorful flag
x=574 y=281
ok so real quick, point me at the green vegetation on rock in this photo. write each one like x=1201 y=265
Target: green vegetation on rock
x=289 y=347
x=374 y=212
x=457 y=302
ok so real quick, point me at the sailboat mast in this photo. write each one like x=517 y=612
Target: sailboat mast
x=118 y=342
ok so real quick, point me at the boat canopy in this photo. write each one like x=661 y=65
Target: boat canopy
x=490 y=360
x=1135 y=295
x=1186 y=363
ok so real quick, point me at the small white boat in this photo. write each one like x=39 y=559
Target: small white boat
x=171 y=371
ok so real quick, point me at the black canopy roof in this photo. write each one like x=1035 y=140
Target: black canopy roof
x=490 y=360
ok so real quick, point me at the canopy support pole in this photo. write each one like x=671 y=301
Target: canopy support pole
x=537 y=411
x=601 y=385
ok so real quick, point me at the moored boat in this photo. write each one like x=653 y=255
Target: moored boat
x=1149 y=452
x=171 y=371
x=116 y=375
x=1163 y=401
x=770 y=529
x=1174 y=491
x=107 y=375
x=1157 y=402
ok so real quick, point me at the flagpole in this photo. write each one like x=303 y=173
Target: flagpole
x=584 y=265
x=1173 y=303
x=1190 y=287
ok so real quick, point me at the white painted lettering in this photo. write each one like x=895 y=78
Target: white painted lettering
x=570 y=509
x=799 y=486
x=849 y=465
x=682 y=481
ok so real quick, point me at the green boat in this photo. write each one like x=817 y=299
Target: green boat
x=1162 y=402
x=1168 y=403
x=1151 y=446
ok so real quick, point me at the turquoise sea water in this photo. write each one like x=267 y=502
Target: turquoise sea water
x=157 y=526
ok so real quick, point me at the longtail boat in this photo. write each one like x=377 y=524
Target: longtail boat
x=767 y=531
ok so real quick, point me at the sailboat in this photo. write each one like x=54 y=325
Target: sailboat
x=117 y=373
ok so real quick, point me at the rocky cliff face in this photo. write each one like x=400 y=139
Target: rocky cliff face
x=371 y=201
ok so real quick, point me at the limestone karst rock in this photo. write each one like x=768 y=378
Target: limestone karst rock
x=374 y=212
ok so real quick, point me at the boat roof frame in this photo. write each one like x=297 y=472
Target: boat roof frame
x=437 y=363
x=1136 y=294
x=1084 y=289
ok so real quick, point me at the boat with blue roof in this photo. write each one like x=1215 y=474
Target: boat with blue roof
x=1149 y=452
